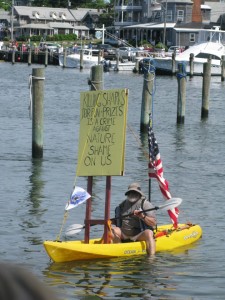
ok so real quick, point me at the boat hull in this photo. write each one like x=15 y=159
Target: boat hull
x=73 y=61
x=125 y=66
x=166 y=240
x=165 y=64
x=201 y=52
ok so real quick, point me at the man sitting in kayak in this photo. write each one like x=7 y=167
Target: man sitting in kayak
x=140 y=225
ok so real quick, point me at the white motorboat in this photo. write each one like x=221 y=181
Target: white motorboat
x=210 y=46
x=73 y=60
x=124 y=66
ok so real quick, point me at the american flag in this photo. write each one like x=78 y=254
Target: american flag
x=156 y=171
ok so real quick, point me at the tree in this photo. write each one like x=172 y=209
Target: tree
x=106 y=19
x=74 y=3
x=6 y=5
x=40 y=3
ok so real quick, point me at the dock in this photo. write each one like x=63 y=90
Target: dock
x=23 y=57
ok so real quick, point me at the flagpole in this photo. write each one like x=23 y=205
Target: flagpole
x=149 y=180
x=12 y=17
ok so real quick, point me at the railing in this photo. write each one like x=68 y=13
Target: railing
x=128 y=7
x=125 y=23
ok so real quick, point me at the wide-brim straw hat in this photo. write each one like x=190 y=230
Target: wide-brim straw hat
x=134 y=187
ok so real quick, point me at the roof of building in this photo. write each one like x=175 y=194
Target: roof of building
x=81 y=27
x=35 y=26
x=52 y=25
x=80 y=13
x=49 y=13
x=61 y=25
x=4 y=15
x=203 y=6
x=151 y=25
x=178 y=1
x=46 y=13
x=191 y=25
x=217 y=8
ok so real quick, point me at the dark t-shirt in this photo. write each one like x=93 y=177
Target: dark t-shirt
x=131 y=225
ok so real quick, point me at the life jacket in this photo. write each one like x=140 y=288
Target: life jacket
x=119 y=210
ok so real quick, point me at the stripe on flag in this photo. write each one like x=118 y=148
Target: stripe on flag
x=155 y=170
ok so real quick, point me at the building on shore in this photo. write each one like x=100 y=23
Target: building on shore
x=28 y=21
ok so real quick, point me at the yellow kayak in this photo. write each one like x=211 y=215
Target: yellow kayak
x=167 y=239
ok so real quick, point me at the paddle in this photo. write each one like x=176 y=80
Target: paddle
x=170 y=204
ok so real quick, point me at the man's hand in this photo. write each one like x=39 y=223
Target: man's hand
x=139 y=214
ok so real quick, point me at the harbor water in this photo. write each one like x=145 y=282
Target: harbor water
x=34 y=192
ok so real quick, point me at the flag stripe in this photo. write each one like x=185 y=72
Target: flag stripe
x=155 y=170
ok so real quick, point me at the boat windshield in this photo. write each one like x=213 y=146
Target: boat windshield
x=207 y=55
x=211 y=35
x=87 y=52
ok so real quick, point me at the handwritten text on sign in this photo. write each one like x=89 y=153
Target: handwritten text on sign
x=103 y=116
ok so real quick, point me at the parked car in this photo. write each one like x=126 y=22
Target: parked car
x=107 y=49
x=112 y=42
x=177 y=49
x=127 y=52
x=52 y=47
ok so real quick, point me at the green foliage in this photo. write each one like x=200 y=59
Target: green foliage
x=160 y=46
x=62 y=37
x=74 y=3
x=54 y=38
x=5 y=5
x=35 y=38
x=106 y=19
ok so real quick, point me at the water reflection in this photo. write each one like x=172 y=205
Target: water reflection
x=32 y=216
x=179 y=137
x=136 y=278
x=37 y=186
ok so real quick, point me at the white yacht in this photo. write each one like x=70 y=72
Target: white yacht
x=73 y=60
x=210 y=45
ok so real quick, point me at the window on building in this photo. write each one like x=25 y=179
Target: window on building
x=157 y=15
x=192 y=37
x=180 y=15
x=169 y=16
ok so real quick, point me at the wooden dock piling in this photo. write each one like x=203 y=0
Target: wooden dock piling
x=223 y=68
x=81 y=59
x=96 y=80
x=147 y=95
x=206 y=89
x=64 y=57
x=29 y=56
x=46 y=57
x=37 y=112
x=181 y=97
x=191 y=64
x=173 y=63
x=117 y=62
x=99 y=56
x=13 y=56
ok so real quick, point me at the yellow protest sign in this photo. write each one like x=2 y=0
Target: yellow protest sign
x=103 y=116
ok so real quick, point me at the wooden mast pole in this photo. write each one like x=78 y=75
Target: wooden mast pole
x=88 y=211
x=107 y=209
x=96 y=84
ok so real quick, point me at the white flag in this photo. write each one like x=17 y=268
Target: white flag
x=78 y=196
